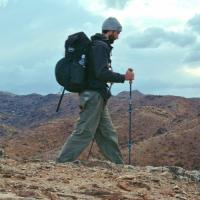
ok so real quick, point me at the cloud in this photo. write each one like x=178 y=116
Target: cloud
x=36 y=77
x=155 y=37
x=32 y=40
x=107 y=8
x=33 y=35
x=194 y=23
x=169 y=87
x=192 y=55
x=103 y=5
x=195 y=72
x=117 y=4
x=141 y=11
x=32 y=32
x=3 y=3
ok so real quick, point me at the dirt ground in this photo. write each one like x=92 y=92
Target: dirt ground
x=95 y=179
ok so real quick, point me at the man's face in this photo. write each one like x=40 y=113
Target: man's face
x=114 y=35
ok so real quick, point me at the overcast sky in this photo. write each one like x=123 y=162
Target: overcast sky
x=160 y=40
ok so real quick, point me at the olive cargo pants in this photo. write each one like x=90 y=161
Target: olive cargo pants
x=94 y=122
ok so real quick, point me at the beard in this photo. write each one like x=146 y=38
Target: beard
x=111 y=38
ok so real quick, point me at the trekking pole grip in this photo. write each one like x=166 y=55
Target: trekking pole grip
x=131 y=70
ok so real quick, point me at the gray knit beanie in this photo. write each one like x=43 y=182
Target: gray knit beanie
x=111 y=24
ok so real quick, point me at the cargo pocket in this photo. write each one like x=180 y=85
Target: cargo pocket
x=84 y=98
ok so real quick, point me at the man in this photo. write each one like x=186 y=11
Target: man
x=94 y=121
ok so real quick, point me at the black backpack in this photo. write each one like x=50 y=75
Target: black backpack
x=71 y=71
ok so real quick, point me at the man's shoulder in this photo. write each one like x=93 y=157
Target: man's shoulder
x=100 y=44
x=100 y=40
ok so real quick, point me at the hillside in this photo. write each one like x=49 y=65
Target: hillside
x=166 y=129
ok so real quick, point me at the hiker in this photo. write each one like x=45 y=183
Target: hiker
x=94 y=121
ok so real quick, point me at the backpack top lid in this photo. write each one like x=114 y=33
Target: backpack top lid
x=76 y=45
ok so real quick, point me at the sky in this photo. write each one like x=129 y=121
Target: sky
x=160 y=40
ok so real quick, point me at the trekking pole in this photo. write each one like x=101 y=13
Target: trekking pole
x=58 y=106
x=90 y=149
x=130 y=119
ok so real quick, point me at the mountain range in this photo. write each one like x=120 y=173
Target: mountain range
x=165 y=129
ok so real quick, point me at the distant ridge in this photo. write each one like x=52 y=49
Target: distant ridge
x=2 y=93
x=165 y=129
